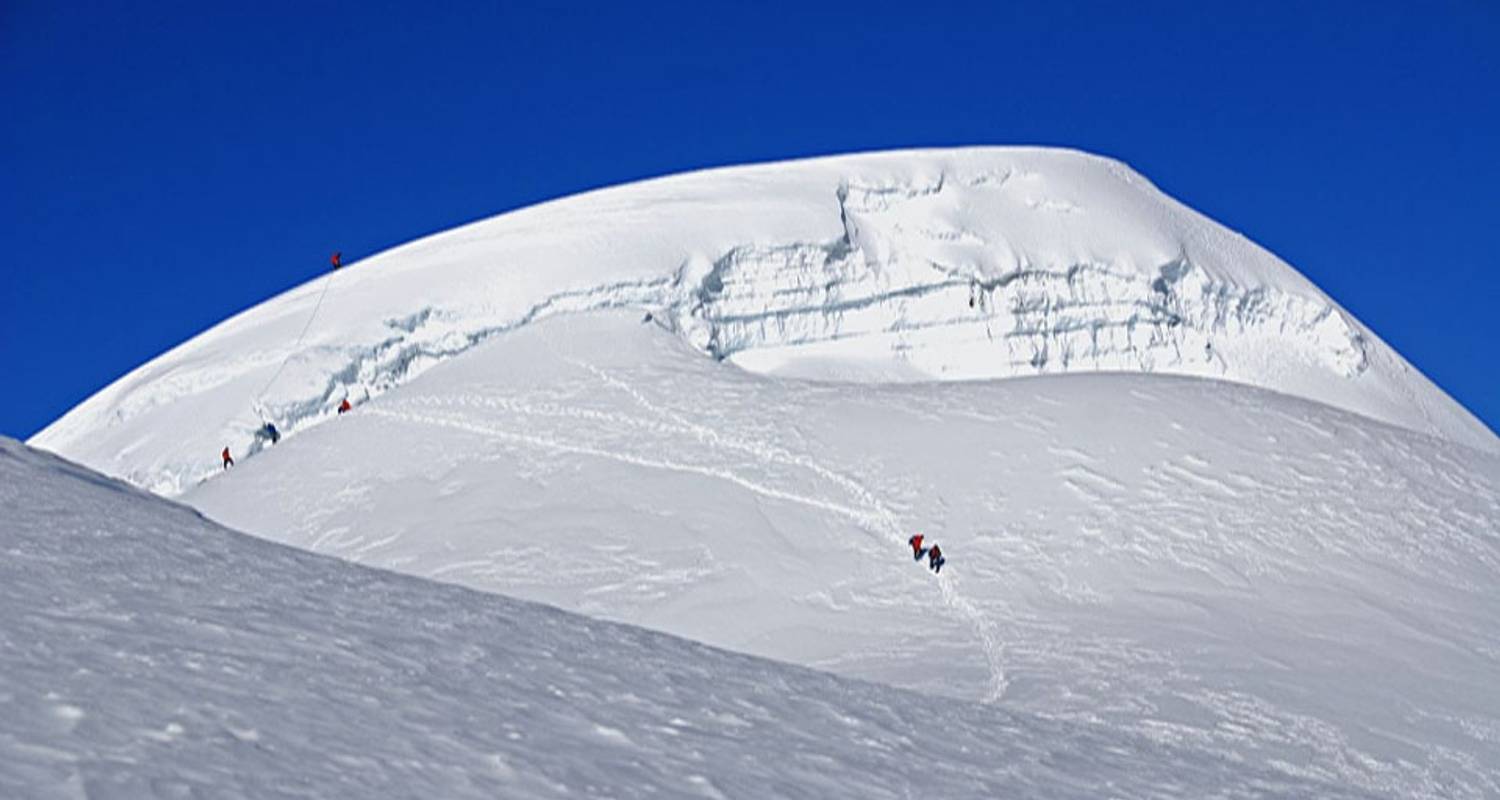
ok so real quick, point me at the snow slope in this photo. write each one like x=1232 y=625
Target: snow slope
x=915 y=265
x=149 y=653
x=1292 y=586
x=1289 y=567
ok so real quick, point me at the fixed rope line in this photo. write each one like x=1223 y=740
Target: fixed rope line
x=327 y=282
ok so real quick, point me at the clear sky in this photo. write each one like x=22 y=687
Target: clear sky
x=164 y=165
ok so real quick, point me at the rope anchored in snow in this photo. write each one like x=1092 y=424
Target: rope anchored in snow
x=257 y=403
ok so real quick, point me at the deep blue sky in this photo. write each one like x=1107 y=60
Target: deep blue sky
x=162 y=167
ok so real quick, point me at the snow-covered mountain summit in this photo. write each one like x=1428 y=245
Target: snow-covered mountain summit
x=900 y=266
x=1296 y=575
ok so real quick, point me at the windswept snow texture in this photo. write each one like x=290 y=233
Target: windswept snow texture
x=903 y=266
x=149 y=653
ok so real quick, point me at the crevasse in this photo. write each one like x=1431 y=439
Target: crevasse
x=949 y=313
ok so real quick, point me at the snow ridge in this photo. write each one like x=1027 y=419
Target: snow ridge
x=431 y=336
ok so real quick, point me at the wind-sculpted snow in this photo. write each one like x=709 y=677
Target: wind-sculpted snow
x=1291 y=586
x=149 y=653
x=919 y=265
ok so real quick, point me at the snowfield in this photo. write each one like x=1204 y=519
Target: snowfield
x=150 y=653
x=1195 y=514
x=1287 y=584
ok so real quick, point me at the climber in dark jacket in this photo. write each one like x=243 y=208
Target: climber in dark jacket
x=935 y=559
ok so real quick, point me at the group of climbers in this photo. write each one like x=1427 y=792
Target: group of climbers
x=935 y=560
x=268 y=431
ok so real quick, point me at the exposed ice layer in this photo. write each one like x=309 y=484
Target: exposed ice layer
x=903 y=283
x=151 y=653
x=913 y=265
